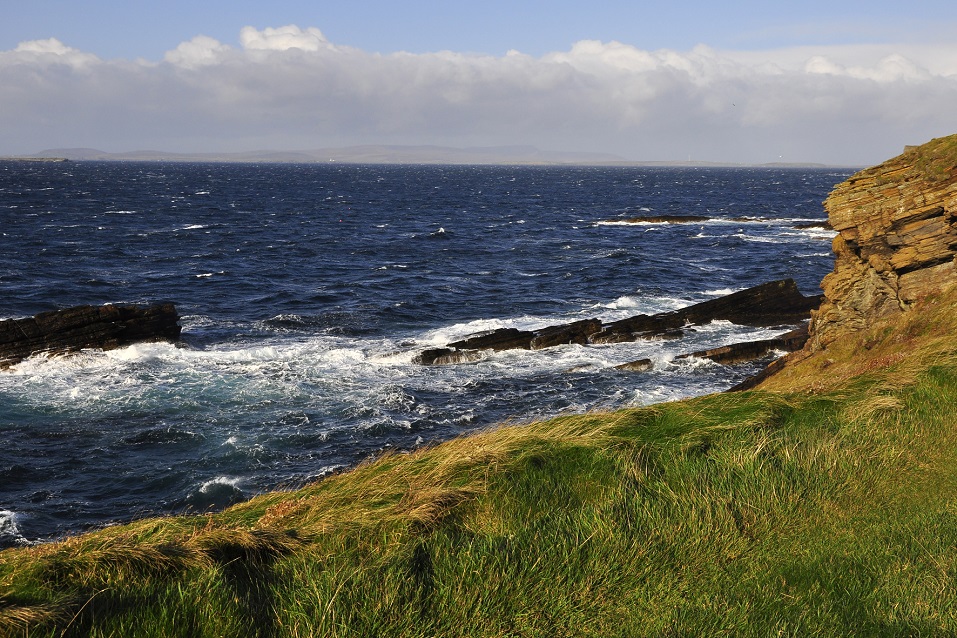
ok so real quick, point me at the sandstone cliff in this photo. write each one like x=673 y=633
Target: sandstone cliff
x=896 y=242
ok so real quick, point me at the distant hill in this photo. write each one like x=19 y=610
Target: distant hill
x=385 y=154
x=369 y=154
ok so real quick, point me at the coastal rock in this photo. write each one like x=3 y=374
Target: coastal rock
x=641 y=365
x=769 y=304
x=662 y=219
x=63 y=331
x=471 y=348
x=752 y=350
x=576 y=332
x=897 y=239
x=501 y=339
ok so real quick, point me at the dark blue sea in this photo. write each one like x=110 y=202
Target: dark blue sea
x=305 y=291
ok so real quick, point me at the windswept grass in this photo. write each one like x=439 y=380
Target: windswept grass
x=827 y=511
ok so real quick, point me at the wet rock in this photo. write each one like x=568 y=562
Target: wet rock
x=772 y=303
x=641 y=365
x=576 y=332
x=753 y=350
x=501 y=339
x=663 y=219
x=106 y=327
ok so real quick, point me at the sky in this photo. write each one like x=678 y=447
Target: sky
x=847 y=83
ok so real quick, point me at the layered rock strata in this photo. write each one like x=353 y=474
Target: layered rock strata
x=896 y=242
x=63 y=331
x=773 y=303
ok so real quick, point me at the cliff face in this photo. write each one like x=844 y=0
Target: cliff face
x=897 y=239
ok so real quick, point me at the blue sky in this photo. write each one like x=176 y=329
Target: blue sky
x=839 y=82
x=131 y=28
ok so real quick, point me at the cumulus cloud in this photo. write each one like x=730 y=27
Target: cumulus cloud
x=283 y=39
x=52 y=51
x=200 y=51
x=291 y=88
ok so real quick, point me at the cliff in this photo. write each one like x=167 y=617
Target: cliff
x=896 y=242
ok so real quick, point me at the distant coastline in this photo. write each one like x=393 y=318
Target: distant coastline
x=385 y=154
x=34 y=159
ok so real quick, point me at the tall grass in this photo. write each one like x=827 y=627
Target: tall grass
x=831 y=512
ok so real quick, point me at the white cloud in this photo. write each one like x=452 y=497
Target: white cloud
x=52 y=51
x=200 y=51
x=291 y=88
x=283 y=39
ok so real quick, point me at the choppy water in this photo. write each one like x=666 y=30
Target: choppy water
x=305 y=291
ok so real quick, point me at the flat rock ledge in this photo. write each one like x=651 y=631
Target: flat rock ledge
x=61 y=332
x=770 y=304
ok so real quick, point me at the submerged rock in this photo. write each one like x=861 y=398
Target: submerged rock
x=106 y=327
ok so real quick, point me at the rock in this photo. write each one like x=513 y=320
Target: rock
x=772 y=368
x=501 y=339
x=60 y=332
x=773 y=303
x=663 y=219
x=576 y=332
x=752 y=350
x=822 y=225
x=641 y=365
x=897 y=239
x=471 y=348
x=431 y=355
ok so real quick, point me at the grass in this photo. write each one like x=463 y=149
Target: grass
x=826 y=509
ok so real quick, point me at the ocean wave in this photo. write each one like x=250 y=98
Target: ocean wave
x=9 y=532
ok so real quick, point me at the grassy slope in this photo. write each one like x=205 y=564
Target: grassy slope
x=829 y=509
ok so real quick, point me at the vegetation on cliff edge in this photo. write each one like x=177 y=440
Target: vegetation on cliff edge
x=828 y=507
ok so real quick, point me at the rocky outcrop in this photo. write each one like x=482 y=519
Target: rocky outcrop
x=470 y=349
x=751 y=350
x=773 y=303
x=63 y=331
x=896 y=242
x=770 y=304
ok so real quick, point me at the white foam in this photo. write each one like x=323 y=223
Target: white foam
x=9 y=530
x=220 y=481
x=628 y=305
x=8 y=523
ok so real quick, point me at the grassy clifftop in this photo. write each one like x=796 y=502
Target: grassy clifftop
x=829 y=509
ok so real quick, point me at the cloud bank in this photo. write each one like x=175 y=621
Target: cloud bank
x=291 y=88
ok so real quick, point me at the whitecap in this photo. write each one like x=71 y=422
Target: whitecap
x=9 y=532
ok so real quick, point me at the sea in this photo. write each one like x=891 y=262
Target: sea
x=305 y=291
